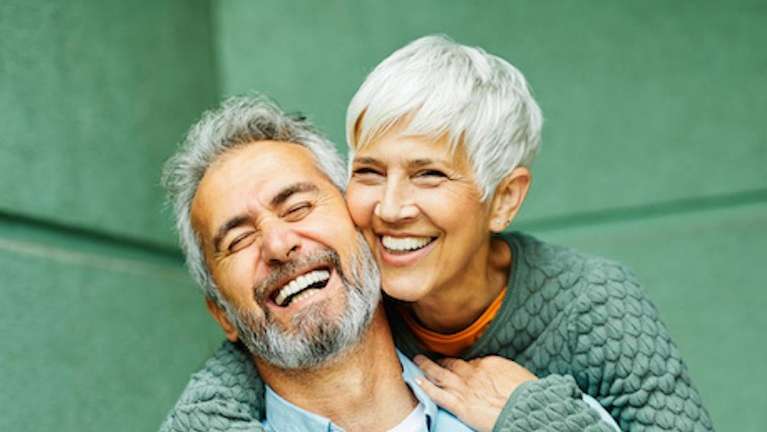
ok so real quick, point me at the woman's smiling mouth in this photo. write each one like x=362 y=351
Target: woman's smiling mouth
x=403 y=251
x=404 y=244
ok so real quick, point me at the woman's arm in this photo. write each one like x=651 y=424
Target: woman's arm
x=494 y=393
x=227 y=394
x=613 y=348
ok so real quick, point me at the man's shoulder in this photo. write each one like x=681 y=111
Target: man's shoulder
x=224 y=393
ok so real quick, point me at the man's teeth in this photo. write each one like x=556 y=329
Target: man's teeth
x=404 y=243
x=299 y=284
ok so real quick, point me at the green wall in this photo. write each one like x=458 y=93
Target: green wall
x=100 y=324
x=654 y=153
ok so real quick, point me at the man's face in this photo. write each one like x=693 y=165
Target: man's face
x=298 y=282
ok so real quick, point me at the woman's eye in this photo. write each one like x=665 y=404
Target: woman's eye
x=368 y=176
x=431 y=173
x=429 y=177
x=365 y=171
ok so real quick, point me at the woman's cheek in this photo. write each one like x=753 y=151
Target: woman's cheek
x=360 y=205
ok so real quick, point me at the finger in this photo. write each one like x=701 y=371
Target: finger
x=438 y=375
x=444 y=398
x=457 y=366
x=419 y=358
x=495 y=362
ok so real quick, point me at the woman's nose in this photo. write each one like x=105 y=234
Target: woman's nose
x=395 y=205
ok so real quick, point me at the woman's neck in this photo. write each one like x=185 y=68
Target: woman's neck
x=459 y=303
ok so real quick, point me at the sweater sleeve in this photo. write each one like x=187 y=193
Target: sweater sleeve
x=553 y=403
x=623 y=356
x=207 y=417
x=227 y=394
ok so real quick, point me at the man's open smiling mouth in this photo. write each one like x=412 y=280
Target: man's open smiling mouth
x=301 y=287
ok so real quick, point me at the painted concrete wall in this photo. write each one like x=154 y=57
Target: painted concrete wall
x=100 y=325
x=654 y=153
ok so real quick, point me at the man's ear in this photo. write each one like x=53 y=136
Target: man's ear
x=508 y=198
x=220 y=316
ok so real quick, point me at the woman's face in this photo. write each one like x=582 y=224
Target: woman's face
x=420 y=210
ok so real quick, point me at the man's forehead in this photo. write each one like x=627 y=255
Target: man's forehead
x=263 y=153
x=266 y=165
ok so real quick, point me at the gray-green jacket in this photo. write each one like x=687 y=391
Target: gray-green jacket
x=579 y=323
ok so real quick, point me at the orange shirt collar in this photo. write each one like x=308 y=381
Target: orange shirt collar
x=455 y=343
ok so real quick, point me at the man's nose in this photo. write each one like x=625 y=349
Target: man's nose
x=395 y=205
x=280 y=243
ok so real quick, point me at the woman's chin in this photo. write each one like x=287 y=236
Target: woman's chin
x=405 y=291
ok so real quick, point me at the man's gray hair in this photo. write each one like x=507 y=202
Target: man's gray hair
x=239 y=121
x=435 y=87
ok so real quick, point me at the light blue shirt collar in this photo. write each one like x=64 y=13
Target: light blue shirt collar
x=282 y=415
x=411 y=372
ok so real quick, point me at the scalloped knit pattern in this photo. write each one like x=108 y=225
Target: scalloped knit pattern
x=225 y=395
x=579 y=323
x=582 y=324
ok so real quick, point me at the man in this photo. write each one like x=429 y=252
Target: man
x=266 y=234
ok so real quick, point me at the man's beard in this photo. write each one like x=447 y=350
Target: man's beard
x=316 y=336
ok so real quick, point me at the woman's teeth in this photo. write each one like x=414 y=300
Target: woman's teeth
x=405 y=244
x=288 y=293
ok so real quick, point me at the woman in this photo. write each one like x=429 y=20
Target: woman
x=440 y=139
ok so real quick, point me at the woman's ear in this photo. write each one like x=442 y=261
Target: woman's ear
x=508 y=198
x=220 y=316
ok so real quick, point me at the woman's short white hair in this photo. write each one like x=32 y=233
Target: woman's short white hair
x=437 y=88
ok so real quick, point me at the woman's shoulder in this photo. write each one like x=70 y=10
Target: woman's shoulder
x=548 y=265
x=587 y=317
x=598 y=300
x=556 y=289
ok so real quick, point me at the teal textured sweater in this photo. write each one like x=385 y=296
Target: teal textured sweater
x=579 y=323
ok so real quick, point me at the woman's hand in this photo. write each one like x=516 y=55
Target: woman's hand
x=474 y=391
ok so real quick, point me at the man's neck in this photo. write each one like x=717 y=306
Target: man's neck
x=362 y=389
